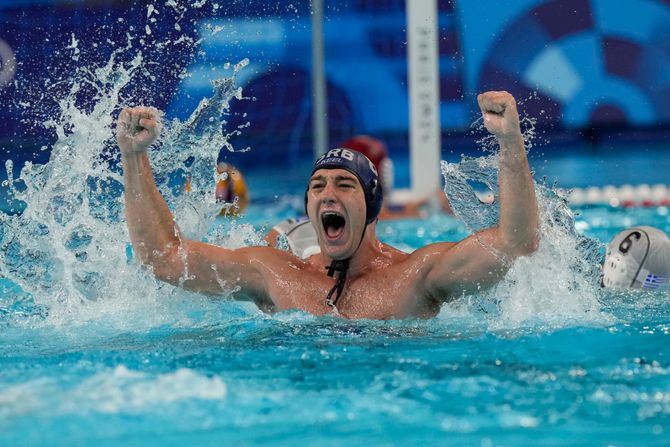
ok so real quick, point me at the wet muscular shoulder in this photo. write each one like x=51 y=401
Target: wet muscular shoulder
x=278 y=267
x=428 y=255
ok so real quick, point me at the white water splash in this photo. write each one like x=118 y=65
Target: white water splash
x=68 y=250
x=557 y=285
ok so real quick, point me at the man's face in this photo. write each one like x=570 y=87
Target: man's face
x=336 y=207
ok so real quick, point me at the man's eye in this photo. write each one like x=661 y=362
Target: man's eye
x=316 y=186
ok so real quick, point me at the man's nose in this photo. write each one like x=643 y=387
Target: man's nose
x=328 y=193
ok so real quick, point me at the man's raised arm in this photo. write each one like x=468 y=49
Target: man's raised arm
x=483 y=258
x=155 y=237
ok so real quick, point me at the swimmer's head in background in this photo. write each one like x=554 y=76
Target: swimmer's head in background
x=231 y=188
x=637 y=258
x=359 y=165
x=375 y=150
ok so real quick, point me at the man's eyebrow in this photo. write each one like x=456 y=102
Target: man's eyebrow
x=338 y=178
x=345 y=177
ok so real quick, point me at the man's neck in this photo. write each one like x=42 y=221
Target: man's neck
x=369 y=250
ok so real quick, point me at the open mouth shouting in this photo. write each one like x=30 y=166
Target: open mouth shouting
x=333 y=225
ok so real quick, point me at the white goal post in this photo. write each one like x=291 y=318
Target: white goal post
x=424 y=100
x=423 y=91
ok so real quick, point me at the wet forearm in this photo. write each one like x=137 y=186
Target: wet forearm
x=518 y=206
x=150 y=223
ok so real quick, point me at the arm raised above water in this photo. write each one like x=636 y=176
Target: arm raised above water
x=156 y=239
x=483 y=258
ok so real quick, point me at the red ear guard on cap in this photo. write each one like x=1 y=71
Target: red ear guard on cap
x=373 y=149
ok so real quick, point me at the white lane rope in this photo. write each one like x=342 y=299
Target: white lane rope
x=620 y=196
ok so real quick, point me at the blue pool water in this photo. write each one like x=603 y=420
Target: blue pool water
x=94 y=351
x=185 y=370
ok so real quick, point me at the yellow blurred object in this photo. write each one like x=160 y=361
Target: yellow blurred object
x=231 y=190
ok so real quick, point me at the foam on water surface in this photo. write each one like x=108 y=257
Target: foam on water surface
x=116 y=390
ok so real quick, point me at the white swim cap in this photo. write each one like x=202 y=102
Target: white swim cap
x=638 y=257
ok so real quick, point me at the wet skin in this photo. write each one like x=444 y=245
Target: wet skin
x=382 y=282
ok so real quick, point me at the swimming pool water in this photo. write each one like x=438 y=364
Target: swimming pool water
x=186 y=370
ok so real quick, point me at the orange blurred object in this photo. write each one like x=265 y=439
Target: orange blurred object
x=231 y=189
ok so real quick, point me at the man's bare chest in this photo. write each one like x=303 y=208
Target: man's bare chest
x=382 y=294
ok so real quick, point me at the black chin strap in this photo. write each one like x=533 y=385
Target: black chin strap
x=341 y=267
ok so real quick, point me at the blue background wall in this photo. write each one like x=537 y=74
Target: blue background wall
x=583 y=68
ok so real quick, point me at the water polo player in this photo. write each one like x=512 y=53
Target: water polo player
x=354 y=275
x=637 y=258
